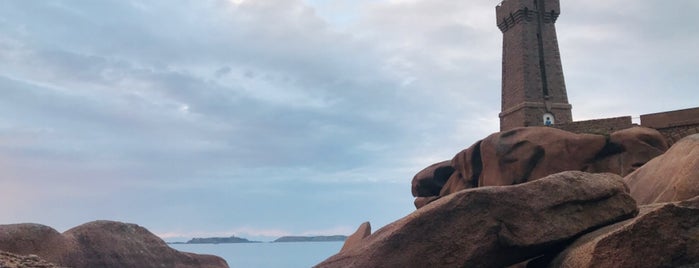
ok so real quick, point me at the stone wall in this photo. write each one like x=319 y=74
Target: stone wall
x=597 y=126
x=674 y=125
x=670 y=119
x=674 y=134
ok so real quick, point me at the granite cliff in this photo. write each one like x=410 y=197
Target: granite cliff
x=542 y=197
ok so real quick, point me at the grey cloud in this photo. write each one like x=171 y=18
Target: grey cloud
x=629 y=57
x=225 y=102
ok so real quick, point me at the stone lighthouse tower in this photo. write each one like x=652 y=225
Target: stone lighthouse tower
x=533 y=88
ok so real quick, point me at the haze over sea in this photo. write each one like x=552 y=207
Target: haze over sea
x=267 y=255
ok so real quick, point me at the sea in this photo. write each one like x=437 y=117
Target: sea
x=267 y=255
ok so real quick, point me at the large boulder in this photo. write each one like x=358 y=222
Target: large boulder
x=100 y=244
x=116 y=244
x=673 y=176
x=663 y=235
x=495 y=226
x=629 y=149
x=526 y=154
x=29 y=238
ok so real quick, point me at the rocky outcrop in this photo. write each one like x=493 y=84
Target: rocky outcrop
x=629 y=149
x=673 y=176
x=9 y=260
x=663 y=235
x=494 y=226
x=427 y=183
x=526 y=154
x=100 y=244
x=356 y=238
x=29 y=238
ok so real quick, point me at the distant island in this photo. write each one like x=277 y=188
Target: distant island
x=218 y=240
x=311 y=238
x=234 y=239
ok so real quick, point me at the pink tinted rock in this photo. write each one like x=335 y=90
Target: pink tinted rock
x=530 y=153
x=673 y=176
x=100 y=244
x=663 y=235
x=430 y=180
x=494 y=226
x=356 y=238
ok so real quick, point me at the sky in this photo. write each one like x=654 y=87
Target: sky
x=264 y=118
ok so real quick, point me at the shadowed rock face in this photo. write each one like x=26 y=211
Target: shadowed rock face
x=663 y=235
x=526 y=154
x=494 y=226
x=431 y=180
x=673 y=176
x=100 y=244
x=630 y=149
x=427 y=183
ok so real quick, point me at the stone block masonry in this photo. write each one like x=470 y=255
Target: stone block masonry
x=533 y=87
x=674 y=125
x=603 y=126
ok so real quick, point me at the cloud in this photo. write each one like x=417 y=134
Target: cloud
x=619 y=60
x=192 y=114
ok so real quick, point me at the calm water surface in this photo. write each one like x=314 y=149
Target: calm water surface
x=268 y=255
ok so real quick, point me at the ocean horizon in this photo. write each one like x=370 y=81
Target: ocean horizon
x=267 y=254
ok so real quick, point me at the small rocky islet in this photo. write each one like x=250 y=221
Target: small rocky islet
x=283 y=239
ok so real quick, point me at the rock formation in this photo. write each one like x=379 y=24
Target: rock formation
x=496 y=204
x=663 y=235
x=100 y=244
x=673 y=176
x=494 y=226
x=9 y=260
x=356 y=238
x=29 y=238
x=429 y=182
x=526 y=154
